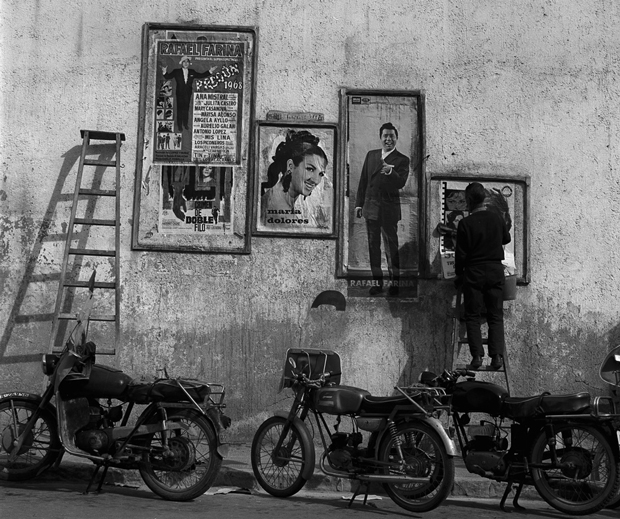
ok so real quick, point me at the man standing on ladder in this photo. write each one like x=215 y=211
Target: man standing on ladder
x=478 y=264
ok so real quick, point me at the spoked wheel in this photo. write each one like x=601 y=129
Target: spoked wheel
x=615 y=501
x=41 y=446
x=584 y=478
x=422 y=455
x=280 y=471
x=189 y=466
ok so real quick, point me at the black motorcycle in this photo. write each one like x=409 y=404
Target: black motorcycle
x=564 y=445
x=610 y=373
x=175 y=442
x=405 y=449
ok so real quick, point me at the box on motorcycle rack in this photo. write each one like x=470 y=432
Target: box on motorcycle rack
x=313 y=363
x=474 y=396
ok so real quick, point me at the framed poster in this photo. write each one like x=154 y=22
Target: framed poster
x=506 y=194
x=192 y=172
x=381 y=244
x=295 y=179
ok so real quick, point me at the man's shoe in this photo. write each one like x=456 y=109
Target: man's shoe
x=375 y=290
x=497 y=362
x=393 y=291
x=476 y=362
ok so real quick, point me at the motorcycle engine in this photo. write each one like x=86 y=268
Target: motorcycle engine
x=342 y=450
x=485 y=453
x=95 y=442
x=93 y=438
x=486 y=463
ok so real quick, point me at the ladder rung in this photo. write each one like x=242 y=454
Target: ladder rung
x=98 y=192
x=102 y=136
x=86 y=284
x=95 y=162
x=95 y=221
x=91 y=252
x=99 y=352
x=99 y=317
x=483 y=368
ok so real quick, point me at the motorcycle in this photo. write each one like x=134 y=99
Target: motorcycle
x=564 y=445
x=175 y=443
x=610 y=373
x=407 y=450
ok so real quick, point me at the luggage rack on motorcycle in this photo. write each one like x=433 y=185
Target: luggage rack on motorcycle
x=439 y=398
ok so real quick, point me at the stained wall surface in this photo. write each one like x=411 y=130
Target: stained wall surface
x=528 y=87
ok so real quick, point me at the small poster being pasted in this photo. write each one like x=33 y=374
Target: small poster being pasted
x=499 y=198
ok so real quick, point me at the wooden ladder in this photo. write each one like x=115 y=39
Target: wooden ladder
x=459 y=339
x=66 y=288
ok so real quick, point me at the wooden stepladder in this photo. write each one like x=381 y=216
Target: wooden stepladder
x=89 y=201
x=459 y=339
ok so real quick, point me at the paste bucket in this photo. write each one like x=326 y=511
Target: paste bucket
x=510 y=287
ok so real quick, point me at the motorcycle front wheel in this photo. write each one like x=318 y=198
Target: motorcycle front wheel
x=417 y=451
x=41 y=445
x=280 y=472
x=584 y=478
x=189 y=466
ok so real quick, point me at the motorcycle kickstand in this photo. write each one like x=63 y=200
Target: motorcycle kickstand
x=92 y=479
x=366 y=485
x=516 y=498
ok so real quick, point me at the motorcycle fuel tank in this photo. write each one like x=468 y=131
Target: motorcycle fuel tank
x=104 y=382
x=474 y=396
x=339 y=399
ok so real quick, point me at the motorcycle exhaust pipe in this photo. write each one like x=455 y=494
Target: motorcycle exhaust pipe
x=378 y=478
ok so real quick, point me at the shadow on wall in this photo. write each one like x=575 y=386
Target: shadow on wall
x=427 y=330
x=18 y=317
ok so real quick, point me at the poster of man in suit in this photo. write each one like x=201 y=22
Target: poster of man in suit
x=380 y=256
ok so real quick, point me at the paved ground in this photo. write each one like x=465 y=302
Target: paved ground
x=48 y=499
x=58 y=493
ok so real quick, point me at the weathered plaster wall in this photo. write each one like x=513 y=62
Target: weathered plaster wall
x=527 y=86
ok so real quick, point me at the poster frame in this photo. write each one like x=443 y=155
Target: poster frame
x=415 y=148
x=263 y=156
x=148 y=233
x=520 y=233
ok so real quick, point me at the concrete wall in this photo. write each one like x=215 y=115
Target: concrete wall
x=526 y=86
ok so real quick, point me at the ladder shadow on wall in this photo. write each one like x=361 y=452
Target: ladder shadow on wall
x=34 y=323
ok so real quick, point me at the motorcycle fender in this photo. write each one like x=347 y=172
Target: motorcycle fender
x=222 y=449
x=435 y=424
x=308 y=469
x=35 y=399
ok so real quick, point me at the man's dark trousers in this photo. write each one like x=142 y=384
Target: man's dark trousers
x=483 y=287
x=376 y=229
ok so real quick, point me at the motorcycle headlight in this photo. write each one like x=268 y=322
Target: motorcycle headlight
x=48 y=363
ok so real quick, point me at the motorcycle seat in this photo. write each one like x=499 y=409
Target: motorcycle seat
x=386 y=404
x=166 y=390
x=520 y=408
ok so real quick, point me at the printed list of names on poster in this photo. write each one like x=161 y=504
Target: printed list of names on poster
x=215 y=127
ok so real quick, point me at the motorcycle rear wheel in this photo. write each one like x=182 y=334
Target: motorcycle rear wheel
x=41 y=447
x=195 y=463
x=589 y=478
x=280 y=473
x=425 y=456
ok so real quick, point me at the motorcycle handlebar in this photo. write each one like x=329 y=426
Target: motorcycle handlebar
x=317 y=382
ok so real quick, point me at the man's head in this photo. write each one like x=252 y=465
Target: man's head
x=389 y=136
x=185 y=62
x=475 y=195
